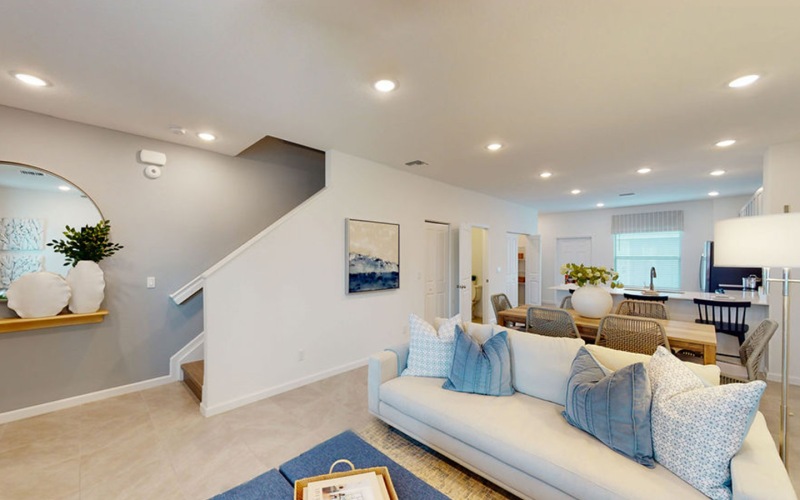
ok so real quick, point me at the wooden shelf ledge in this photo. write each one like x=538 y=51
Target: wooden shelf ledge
x=8 y=325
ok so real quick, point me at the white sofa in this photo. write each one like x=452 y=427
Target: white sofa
x=523 y=443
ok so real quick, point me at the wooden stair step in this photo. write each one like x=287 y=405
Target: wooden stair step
x=193 y=377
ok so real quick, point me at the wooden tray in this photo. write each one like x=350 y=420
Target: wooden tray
x=382 y=472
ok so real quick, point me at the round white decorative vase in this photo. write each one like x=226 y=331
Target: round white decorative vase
x=38 y=295
x=88 y=287
x=591 y=301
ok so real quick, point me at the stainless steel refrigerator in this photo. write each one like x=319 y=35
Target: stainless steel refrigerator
x=713 y=278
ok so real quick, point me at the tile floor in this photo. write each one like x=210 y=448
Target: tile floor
x=155 y=443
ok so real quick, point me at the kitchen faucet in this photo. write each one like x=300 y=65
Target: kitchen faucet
x=652 y=275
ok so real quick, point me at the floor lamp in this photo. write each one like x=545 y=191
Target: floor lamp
x=765 y=241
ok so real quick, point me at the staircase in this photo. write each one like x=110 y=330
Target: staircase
x=193 y=377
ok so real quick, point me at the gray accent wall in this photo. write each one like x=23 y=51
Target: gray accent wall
x=173 y=228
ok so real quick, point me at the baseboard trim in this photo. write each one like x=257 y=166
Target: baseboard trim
x=62 y=404
x=210 y=411
x=776 y=377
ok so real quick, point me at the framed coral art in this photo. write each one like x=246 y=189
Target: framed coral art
x=373 y=255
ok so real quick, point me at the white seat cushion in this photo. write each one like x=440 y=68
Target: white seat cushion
x=531 y=435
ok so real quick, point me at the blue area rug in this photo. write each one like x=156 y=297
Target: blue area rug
x=316 y=461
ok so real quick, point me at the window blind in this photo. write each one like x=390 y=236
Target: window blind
x=651 y=222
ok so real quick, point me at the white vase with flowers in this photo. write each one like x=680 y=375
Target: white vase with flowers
x=591 y=300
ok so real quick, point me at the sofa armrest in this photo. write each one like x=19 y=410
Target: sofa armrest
x=756 y=470
x=384 y=366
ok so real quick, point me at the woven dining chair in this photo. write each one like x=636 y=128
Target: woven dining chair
x=566 y=303
x=632 y=334
x=551 y=322
x=500 y=302
x=642 y=308
x=751 y=354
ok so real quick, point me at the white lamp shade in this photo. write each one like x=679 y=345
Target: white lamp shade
x=761 y=241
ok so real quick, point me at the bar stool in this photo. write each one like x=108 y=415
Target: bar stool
x=726 y=316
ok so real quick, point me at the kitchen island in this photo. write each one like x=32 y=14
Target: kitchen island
x=681 y=306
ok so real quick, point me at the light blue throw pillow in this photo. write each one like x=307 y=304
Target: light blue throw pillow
x=697 y=429
x=481 y=369
x=430 y=352
x=614 y=408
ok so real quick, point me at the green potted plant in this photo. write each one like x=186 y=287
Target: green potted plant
x=83 y=249
x=89 y=243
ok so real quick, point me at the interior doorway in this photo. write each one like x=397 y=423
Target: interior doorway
x=480 y=275
x=523 y=264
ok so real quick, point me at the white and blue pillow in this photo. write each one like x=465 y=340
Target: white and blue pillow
x=430 y=353
x=481 y=369
x=698 y=429
x=613 y=407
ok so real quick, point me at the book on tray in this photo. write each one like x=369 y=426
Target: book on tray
x=362 y=486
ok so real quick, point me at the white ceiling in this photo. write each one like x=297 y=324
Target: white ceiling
x=588 y=90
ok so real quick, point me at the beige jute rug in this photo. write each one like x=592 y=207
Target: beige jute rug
x=438 y=471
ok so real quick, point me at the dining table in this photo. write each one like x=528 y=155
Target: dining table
x=682 y=335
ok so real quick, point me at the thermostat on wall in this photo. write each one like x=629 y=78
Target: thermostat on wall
x=152 y=157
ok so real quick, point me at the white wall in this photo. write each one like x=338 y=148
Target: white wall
x=781 y=182
x=699 y=218
x=286 y=293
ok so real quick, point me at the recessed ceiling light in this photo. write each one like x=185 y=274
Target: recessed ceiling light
x=494 y=146
x=385 y=85
x=63 y=188
x=743 y=81
x=546 y=175
x=725 y=143
x=644 y=170
x=576 y=191
x=713 y=193
x=206 y=136
x=717 y=173
x=33 y=81
x=600 y=205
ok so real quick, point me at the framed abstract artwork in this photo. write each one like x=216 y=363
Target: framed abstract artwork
x=373 y=255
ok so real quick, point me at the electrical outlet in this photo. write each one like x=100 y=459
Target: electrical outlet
x=151 y=282
x=301 y=355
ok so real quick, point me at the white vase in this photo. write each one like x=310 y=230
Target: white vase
x=38 y=295
x=88 y=287
x=591 y=301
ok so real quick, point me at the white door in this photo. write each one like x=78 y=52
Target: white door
x=437 y=289
x=465 y=272
x=512 y=268
x=533 y=270
x=576 y=250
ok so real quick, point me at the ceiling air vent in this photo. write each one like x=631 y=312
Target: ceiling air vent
x=31 y=172
x=416 y=163
x=627 y=194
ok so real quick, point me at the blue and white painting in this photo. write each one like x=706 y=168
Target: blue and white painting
x=373 y=256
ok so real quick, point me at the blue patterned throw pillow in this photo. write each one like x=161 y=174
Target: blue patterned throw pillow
x=614 y=408
x=481 y=369
x=698 y=429
x=430 y=353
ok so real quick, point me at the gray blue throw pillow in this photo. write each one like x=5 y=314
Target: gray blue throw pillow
x=614 y=408
x=481 y=369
